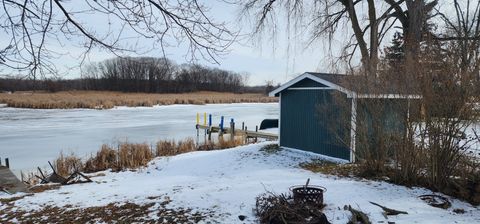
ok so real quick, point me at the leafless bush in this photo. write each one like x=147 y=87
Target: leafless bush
x=421 y=141
x=278 y=209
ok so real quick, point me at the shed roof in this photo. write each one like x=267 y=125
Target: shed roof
x=357 y=86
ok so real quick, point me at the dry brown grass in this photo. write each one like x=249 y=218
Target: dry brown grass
x=225 y=144
x=134 y=155
x=66 y=165
x=171 y=148
x=127 y=155
x=43 y=187
x=106 y=99
x=330 y=168
x=112 y=213
x=105 y=158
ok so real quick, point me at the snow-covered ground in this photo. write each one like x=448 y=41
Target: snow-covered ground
x=227 y=181
x=474 y=146
x=31 y=137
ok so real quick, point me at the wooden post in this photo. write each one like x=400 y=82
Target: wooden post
x=256 y=130
x=221 y=127
x=209 y=134
x=204 y=119
x=198 y=123
x=232 y=130
x=246 y=134
x=7 y=163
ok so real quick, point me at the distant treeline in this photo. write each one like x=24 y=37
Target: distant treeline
x=141 y=74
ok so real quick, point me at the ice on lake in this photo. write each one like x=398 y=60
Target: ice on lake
x=31 y=137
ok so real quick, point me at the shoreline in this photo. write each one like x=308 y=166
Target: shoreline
x=101 y=100
x=44 y=133
x=122 y=107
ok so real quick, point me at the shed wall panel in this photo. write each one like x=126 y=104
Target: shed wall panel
x=305 y=126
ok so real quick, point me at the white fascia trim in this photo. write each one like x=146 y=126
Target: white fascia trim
x=353 y=130
x=314 y=78
x=279 y=117
x=386 y=96
x=309 y=88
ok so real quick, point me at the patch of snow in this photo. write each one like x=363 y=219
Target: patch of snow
x=228 y=181
x=271 y=130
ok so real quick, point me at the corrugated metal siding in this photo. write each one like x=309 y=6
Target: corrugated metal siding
x=304 y=127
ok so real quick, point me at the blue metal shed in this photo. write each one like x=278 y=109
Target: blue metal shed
x=309 y=114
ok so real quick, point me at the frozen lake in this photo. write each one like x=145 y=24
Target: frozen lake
x=31 y=137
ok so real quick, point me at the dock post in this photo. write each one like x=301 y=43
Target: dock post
x=246 y=134
x=221 y=126
x=198 y=123
x=205 y=124
x=256 y=130
x=232 y=130
x=7 y=163
x=209 y=134
x=204 y=119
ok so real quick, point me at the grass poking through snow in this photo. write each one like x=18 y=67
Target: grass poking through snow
x=126 y=155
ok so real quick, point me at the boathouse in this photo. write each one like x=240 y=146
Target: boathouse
x=321 y=112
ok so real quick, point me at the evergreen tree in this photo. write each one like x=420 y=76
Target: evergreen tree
x=395 y=53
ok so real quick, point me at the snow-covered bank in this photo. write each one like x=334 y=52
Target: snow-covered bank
x=227 y=182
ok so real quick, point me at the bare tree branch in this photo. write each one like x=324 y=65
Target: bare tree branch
x=35 y=26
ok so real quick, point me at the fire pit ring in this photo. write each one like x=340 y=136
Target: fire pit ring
x=308 y=194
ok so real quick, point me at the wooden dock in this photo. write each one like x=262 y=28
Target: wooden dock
x=247 y=133
x=9 y=182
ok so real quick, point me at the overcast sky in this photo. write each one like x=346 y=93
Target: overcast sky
x=267 y=59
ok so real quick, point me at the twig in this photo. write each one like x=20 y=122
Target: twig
x=357 y=216
x=389 y=211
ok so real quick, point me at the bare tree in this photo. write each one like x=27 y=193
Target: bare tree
x=463 y=34
x=327 y=17
x=34 y=27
